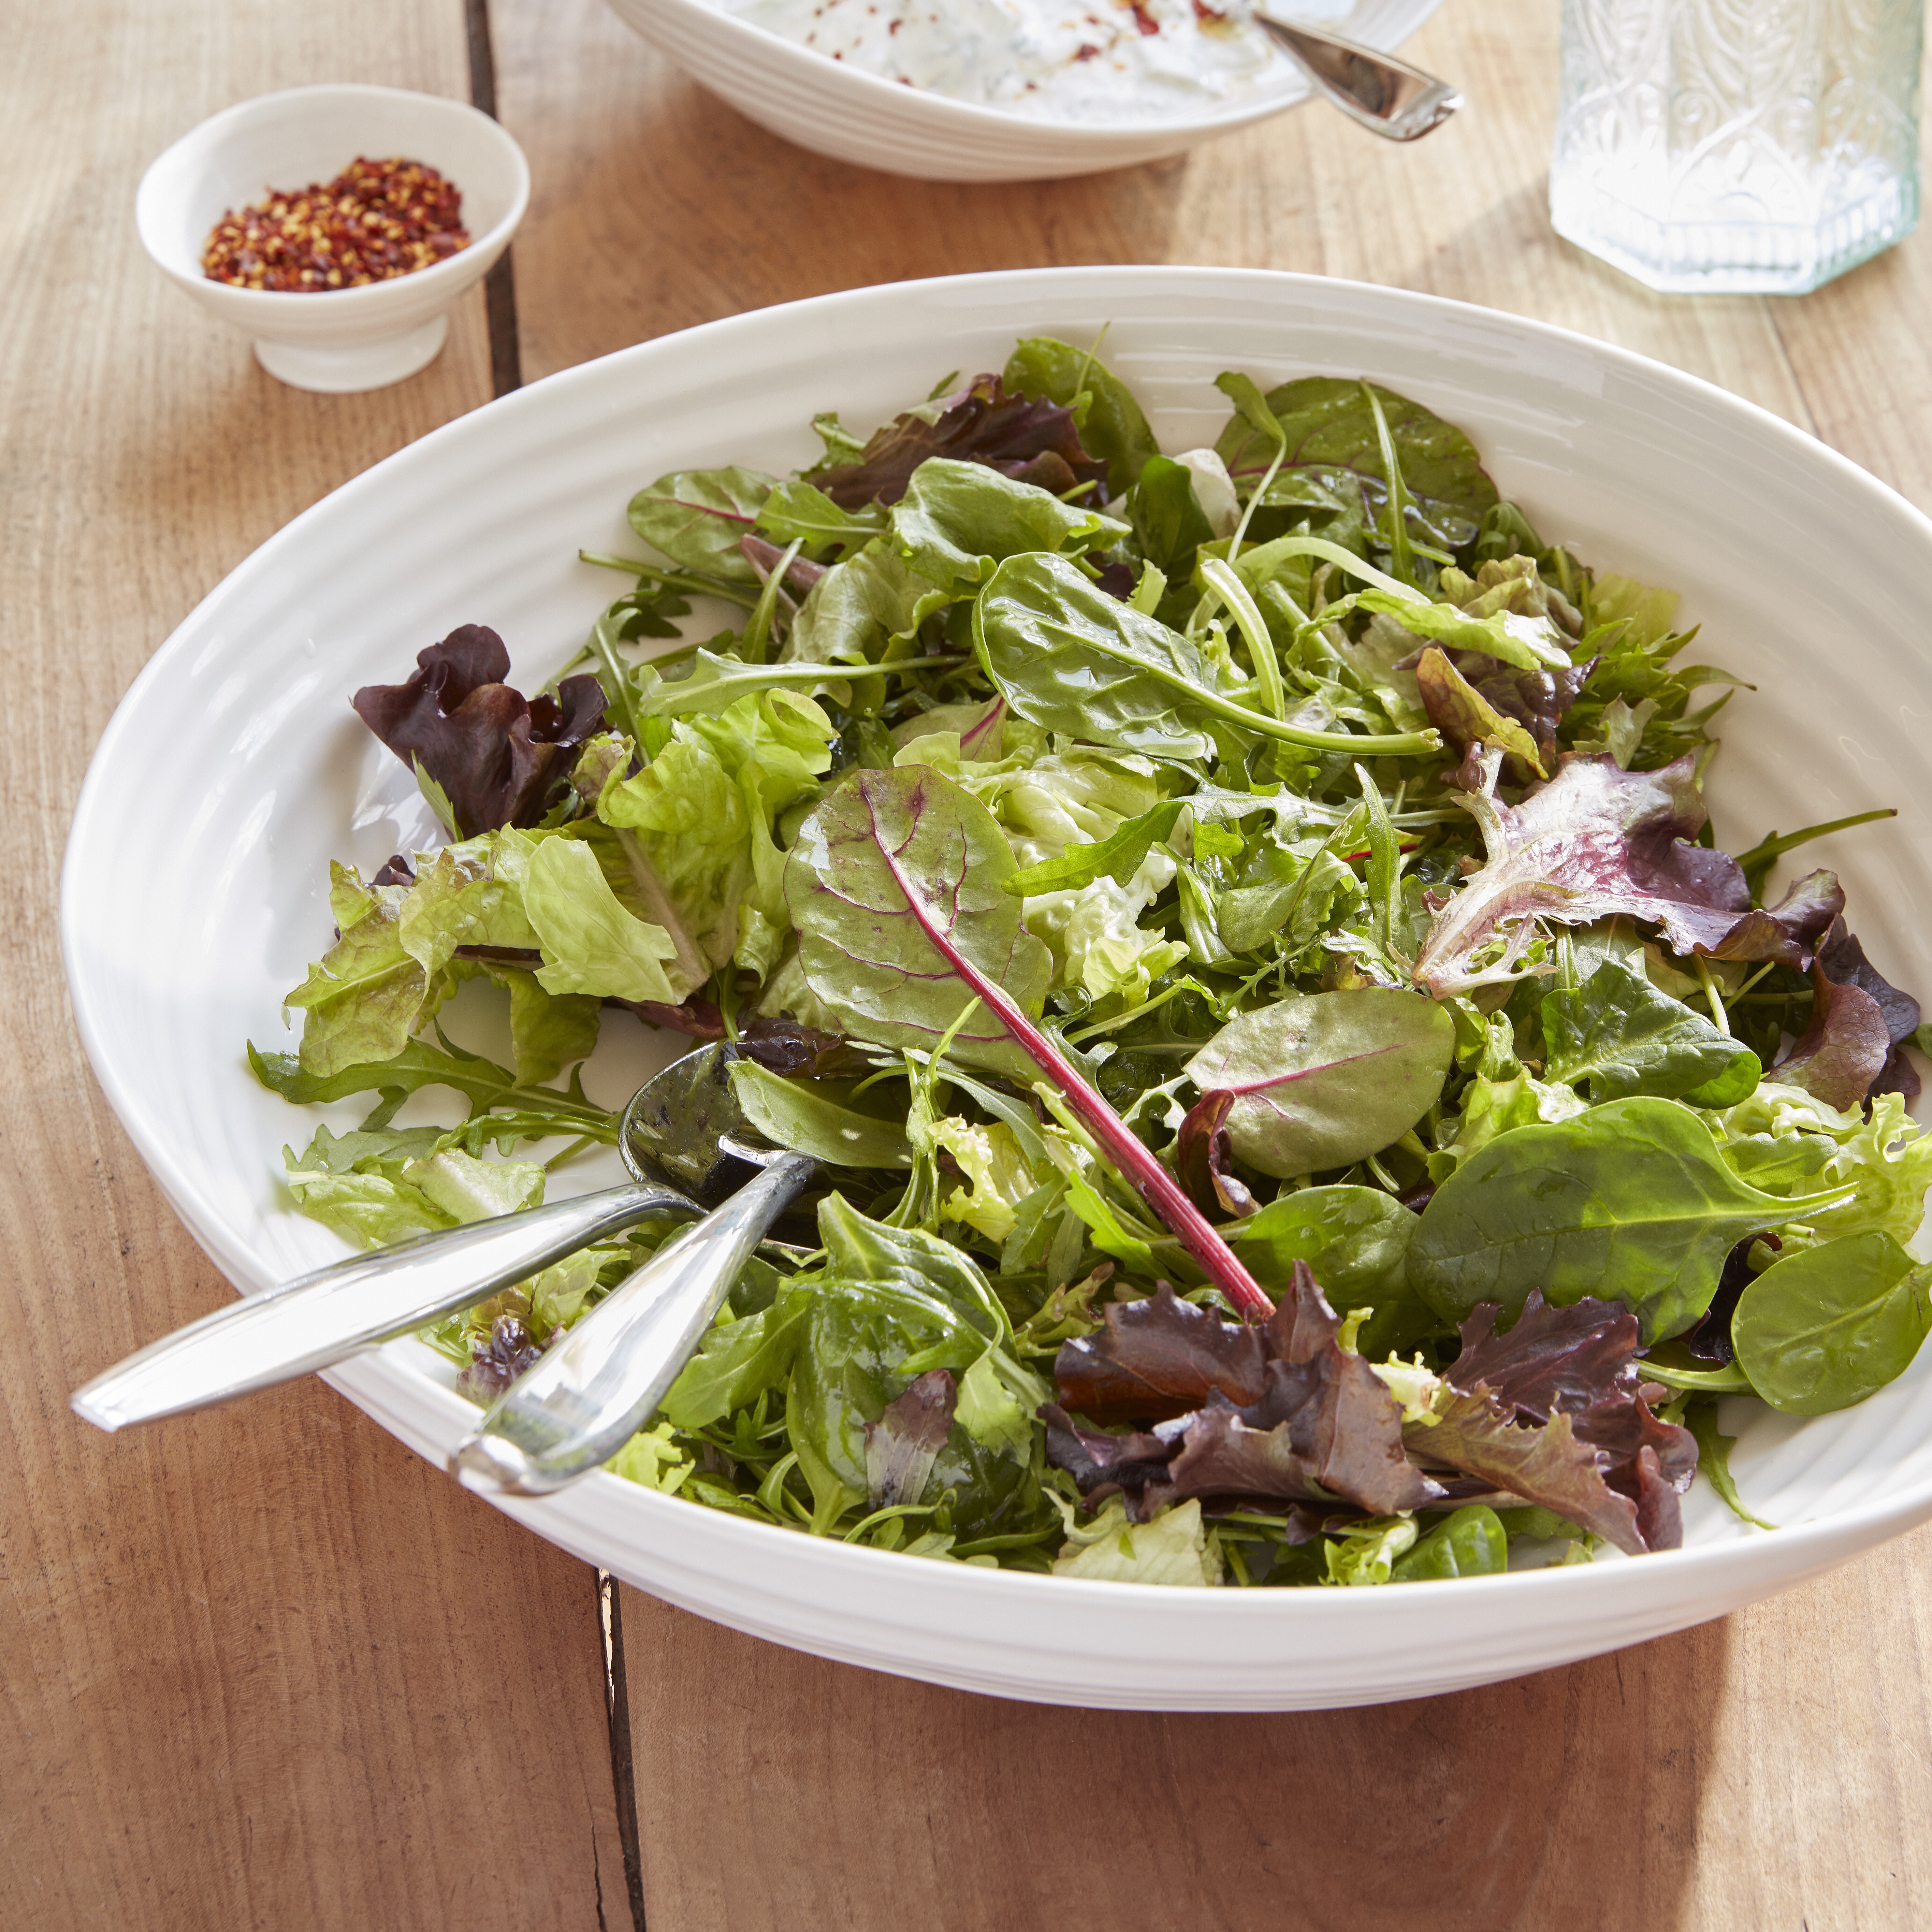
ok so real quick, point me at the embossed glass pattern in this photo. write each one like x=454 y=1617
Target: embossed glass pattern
x=1743 y=145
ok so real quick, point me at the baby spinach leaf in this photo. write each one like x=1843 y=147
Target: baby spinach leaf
x=1630 y=1202
x=1168 y=518
x=1068 y=657
x=1331 y=437
x=1320 y=1079
x=1467 y=1542
x=1110 y=421
x=1623 y=1035
x=696 y=517
x=1355 y=1241
x=1824 y=1328
x=958 y=520
x=738 y=1362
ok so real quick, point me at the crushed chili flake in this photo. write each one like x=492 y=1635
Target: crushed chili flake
x=375 y=219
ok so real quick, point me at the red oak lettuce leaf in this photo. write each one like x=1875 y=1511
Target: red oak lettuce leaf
x=1203 y=1156
x=1036 y=441
x=496 y=755
x=1598 y=841
x=1840 y=1055
x=1160 y=1357
x=1787 y=931
x=1542 y=1464
x=1578 y=1362
x=902 y=1447
x=1324 y=1427
x=1843 y=959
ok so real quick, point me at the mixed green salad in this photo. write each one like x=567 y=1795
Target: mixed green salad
x=1307 y=1099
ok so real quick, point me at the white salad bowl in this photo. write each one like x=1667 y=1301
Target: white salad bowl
x=195 y=891
x=838 y=110
x=337 y=340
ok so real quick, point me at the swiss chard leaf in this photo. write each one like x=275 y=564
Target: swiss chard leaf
x=1823 y=1328
x=1623 y=1035
x=1630 y=1202
x=1320 y=1079
x=697 y=517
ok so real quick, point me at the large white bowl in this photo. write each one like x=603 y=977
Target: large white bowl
x=839 y=110
x=335 y=340
x=194 y=893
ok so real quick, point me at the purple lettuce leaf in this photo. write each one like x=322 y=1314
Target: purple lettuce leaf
x=1710 y=1341
x=1841 y=1054
x=1543 y=1464
x=1035 y=441
x=1160 y=1357
x=496 y=755
x=1323 y=1427
x=1843 y=958
x=1788 y=931
x=1203 y=1158
x=1598 y=841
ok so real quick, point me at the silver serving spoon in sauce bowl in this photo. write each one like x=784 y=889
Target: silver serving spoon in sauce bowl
x=1386 y=96
x=676 y=1137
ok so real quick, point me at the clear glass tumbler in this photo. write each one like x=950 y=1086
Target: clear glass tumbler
x=1742 y=146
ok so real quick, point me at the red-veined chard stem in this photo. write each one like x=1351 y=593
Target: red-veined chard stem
x=1136 y=1161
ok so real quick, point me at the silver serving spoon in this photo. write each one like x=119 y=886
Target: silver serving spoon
x=1386 y=96
x=670 y=1138
x=586 y=1397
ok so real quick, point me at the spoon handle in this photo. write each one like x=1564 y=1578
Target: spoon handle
x=319 y=1319
x=1384 y=95
x=575 y=1407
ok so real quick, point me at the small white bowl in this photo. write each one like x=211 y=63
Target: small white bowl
x=840 y=110
x=336 y=340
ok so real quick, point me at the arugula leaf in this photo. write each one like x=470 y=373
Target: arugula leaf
x=696 y=517
x=1824 y=1328
x=1620 y=1034
x=1320 y=1079
x=1066 y=656
x=1630 y=1202
x=1118 y=856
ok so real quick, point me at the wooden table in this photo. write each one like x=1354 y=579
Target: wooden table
x=263 y=1668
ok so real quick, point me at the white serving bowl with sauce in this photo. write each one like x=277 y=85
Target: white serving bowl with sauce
x=838 y=109
x=195 y=891
x=336 y=340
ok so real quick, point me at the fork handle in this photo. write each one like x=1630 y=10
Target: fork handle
x=319 y=1319
x=578 y=1405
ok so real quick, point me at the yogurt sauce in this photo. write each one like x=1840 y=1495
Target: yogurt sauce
x=1097 y=61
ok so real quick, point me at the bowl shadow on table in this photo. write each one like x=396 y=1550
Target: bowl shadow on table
x=782 y=1790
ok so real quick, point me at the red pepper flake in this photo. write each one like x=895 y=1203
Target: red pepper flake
x=375 y=221
x=1085 y=51
x=1209 y=16
x=1143 y=19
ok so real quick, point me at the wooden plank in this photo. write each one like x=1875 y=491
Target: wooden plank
x=1769 y=1770
x=263 y=1667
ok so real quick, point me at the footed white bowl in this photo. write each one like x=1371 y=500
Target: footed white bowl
x=337 y=340
x=195 y=890
x=839 y=110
